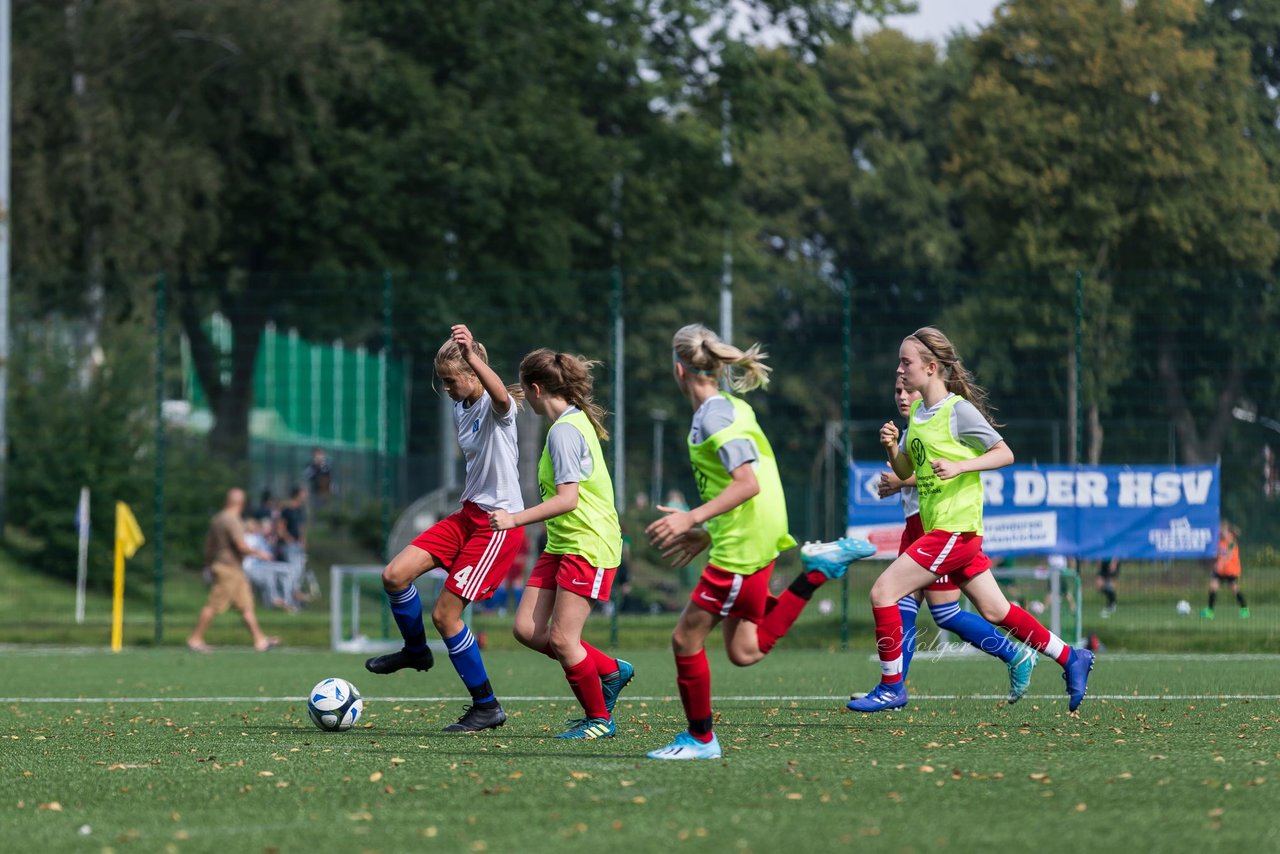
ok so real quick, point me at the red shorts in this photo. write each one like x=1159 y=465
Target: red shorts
x=573 y=573
x=731 y=594
x=944 y=553
x=476 y=556
x=913 y=531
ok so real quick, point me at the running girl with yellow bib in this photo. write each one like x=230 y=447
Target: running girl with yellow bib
x=584 y=539
x=950 y=439
x=745 y=514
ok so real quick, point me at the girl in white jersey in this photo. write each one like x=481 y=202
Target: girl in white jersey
x=946 y=448
x=476 y=557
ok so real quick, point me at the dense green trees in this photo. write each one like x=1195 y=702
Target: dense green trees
x=274 y=159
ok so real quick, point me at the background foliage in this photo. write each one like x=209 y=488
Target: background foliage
x=498 y=160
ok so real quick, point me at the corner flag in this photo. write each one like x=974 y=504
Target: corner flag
x=128 y=540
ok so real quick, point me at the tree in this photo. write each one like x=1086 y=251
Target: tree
x=1100 y=135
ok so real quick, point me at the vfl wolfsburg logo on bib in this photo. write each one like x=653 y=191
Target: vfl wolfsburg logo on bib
x=917 y=453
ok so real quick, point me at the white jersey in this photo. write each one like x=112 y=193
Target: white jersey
x=488 y=442
x=910 y=497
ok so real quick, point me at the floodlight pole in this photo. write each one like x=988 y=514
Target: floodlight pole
x=5 y=19
x=726 y=274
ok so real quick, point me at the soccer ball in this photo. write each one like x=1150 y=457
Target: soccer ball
x=1036 y=606
x=1184 y=607
x=334 y=705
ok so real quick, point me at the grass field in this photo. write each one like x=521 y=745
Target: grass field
x=161 y=750
x=39 y=609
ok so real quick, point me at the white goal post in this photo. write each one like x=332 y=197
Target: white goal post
x=359 y=618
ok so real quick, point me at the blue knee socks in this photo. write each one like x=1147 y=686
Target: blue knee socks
x=908 y=607
x=464 y=652
x=977 y=631
x=406 y=607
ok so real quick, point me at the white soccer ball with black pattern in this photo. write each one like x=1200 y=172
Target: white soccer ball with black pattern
x=334 y=705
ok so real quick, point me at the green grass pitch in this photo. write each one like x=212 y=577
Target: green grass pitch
x=161 y=750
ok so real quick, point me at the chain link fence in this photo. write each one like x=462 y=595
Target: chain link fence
x=162 y=390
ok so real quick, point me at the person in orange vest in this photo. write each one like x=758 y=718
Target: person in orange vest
x=1226 y=569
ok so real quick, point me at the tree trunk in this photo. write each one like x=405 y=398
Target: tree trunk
x=1095 y=435
x=82 y=112
x=1197 y=448
x=230 y=403
x=1072 y=404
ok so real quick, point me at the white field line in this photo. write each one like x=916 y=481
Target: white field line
x=657 y=698
x=960 y=651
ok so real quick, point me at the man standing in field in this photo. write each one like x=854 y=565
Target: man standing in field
x=224 y=548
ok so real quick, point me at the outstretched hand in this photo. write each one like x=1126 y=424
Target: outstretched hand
x=663 y=531
x=889 y=483
x=685 y=547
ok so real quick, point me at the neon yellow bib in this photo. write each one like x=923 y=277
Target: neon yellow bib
x=953 y=505
x=750 y=536
x=591 y=529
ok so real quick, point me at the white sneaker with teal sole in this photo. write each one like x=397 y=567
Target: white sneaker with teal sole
x=832 y=559
x=685 y=746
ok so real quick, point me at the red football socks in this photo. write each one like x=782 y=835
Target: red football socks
x=889 y=642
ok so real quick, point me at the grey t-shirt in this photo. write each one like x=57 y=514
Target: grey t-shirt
x=715 y=414
x=967 y=424
x=570 y=456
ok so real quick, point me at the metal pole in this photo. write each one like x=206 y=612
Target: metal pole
x=619 y=396
x=384 y=413
x=5 y=18
x=158 y=523
x=338 y=371
x=1078 y=391
x=659 y=417
x=726 y=275
x=846 y=409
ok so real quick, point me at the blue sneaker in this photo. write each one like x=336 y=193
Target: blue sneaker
x=590 y=728
x=1020 y=673
x=685 y=746
x=832 y=559
x=881 y=699
x=613 y=684
x=1076 y=675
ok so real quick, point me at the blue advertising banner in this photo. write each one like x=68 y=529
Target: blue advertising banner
x=1137 y=512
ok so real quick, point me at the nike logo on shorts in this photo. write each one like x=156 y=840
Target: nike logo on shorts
x=576 y=582
x=923 y=553
x=709 y=598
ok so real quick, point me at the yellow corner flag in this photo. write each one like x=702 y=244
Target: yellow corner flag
x=128 y=540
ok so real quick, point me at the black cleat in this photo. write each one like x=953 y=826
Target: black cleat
x=475 y=719
x=399 y=660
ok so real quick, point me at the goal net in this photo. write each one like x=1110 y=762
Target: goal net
x=359 y=618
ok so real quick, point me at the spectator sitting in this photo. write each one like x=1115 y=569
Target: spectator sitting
x=275 y=581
